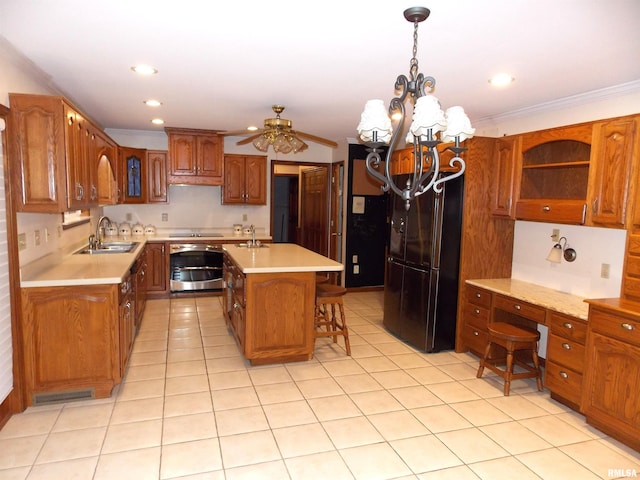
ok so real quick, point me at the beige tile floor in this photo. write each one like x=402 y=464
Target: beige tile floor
x=191 y=407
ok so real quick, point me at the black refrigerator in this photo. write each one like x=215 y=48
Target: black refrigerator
x=421 y=282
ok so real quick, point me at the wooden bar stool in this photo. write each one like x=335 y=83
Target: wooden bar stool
x=512 y=338
x=327 y=323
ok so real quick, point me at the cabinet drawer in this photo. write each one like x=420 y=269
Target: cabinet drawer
x=475 y=338
x=568 y=327
x=616 y=326
x=520 y=308
x=476 y=315
x=566 y=352
x=633 y=265
x=478 y=296
x=564 y=211
x=563 y=381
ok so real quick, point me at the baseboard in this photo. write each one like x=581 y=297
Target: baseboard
x=6 y=409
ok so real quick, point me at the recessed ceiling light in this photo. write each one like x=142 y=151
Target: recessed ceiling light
x=252 y=128
x=144 y=69
x=157 y=121
x=152 y=103
x=501 y=80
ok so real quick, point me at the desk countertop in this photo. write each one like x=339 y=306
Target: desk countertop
x=538 y=295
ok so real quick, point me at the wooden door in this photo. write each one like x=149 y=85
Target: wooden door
x=504 y=163
x=210 y=163
x=157 y=176
x=610 y=171
x=256 y=180
x=133 y=174
x=336 y=212
x=314 y=213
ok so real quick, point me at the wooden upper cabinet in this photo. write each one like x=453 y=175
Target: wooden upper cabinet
x=504 y=161
x=195 y=157
x=157 y=176
x=245 y=180
x=133 y=174
x=106 y=160
x=53 y=147
x=610 y=173
x=553 y=174
x=38 y=144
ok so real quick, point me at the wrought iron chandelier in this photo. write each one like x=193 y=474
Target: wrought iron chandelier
x=375 y=129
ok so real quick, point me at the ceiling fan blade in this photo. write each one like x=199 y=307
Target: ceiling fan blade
x=315 y=138
x=240 y=133
x=248 y=139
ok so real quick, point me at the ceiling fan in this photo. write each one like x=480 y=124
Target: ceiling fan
x=278 y=133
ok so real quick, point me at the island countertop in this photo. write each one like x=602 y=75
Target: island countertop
x=280 y=257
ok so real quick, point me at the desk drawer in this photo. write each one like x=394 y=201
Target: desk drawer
x=568 y=327
x=476 y=315
x=566 y=352
x=563 y=381
x=478 y=296
x=616 y=326
x=475 y=338
x=520 y=308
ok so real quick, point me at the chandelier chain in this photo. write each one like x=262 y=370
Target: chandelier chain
x=413 y=69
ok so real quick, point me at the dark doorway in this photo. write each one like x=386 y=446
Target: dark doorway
x=285 y=209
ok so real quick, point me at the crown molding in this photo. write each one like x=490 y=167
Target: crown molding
x=564 y=103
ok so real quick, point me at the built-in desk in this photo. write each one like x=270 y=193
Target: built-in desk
x=514 y=301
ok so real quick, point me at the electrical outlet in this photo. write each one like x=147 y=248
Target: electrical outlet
x=555 y=234
x=244 y=217
x=356 y=269
x=165 y=217
x=604 y=270
x=354 y=259
x=129 y=217
x=22 y=241
x=36 y=238
x=46 y=235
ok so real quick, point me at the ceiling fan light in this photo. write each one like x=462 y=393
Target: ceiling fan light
x=261 y=143
x=282 y=144
x=298 y=145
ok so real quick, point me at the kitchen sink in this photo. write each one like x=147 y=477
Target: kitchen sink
x=109 y=247
x=248 y=245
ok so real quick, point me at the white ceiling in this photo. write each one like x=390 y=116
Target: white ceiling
x=223 y=64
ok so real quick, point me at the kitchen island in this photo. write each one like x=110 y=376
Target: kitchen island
x=269 y=300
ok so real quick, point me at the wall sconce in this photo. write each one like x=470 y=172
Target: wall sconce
x=558 y=251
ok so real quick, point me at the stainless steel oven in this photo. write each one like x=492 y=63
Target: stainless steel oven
x=195 y=267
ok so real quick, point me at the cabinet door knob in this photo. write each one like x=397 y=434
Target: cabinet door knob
x=478 y=295
x=627 y=326
x=517 y=307
x=475 y=332
x=476 y=311
x=566 y=346
x=546 y=208
x=564 y=375
x=567 y=325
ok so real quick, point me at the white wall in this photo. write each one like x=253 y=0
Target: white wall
x=192 y=207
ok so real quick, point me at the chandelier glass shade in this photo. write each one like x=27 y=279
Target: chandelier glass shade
x=430 y=126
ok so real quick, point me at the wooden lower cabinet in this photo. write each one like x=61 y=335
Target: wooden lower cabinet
x=611 y=394
x=477 y=311
x=71 y=341
x=157 y=269
x=565 y=358
x=271 y=314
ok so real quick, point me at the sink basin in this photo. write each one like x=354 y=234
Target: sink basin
x=248 y=245
x=110 y=247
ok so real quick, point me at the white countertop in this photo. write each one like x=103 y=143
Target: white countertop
x=58 y=270
x=280 y=257
x=530 y=292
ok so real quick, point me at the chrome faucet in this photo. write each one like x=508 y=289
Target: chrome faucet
x=99 y=237
x=253 y=235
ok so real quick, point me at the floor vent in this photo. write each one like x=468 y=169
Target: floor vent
x=57 y=397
